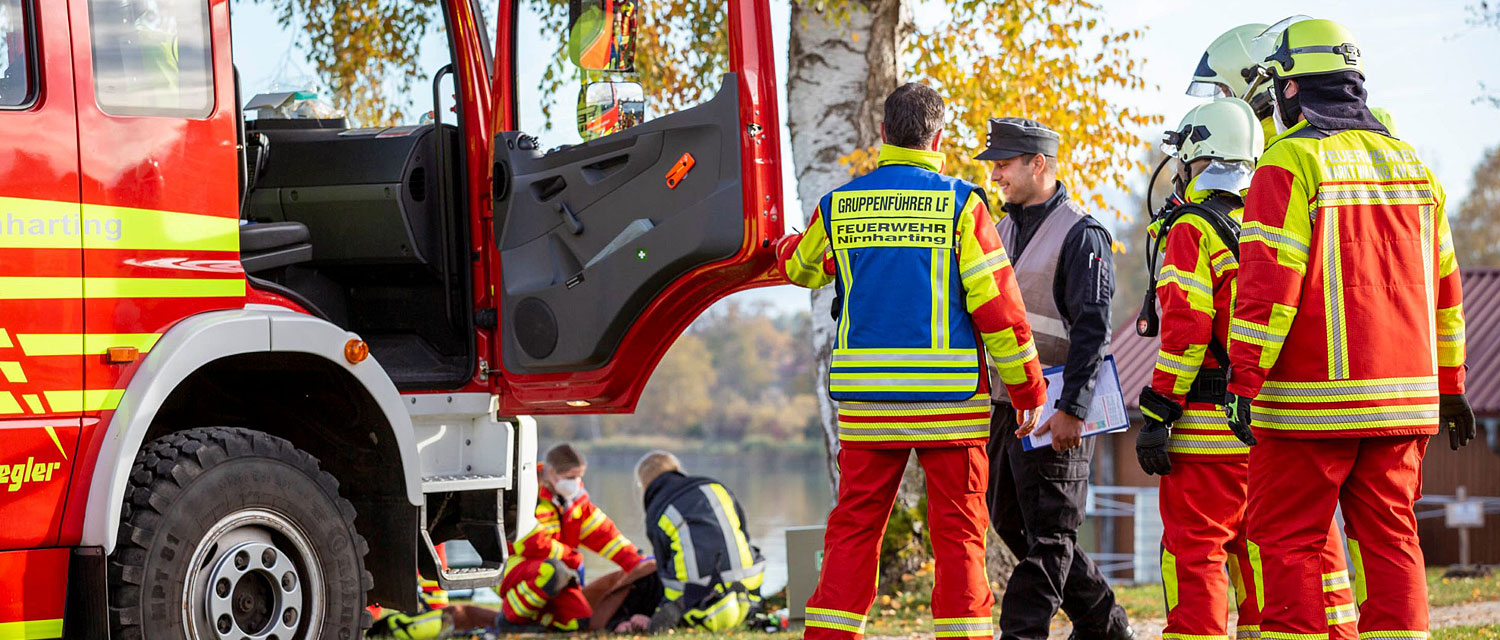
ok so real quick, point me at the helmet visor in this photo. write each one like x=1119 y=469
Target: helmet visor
x=1201 y=89
x=1221 y=175
x=1264 y=44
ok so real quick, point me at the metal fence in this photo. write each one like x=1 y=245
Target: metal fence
x=1108 y=506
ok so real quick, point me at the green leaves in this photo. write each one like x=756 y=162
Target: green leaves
x=365 y=50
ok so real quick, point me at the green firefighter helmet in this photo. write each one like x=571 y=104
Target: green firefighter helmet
x=1225 y=129
x=1228 y=64
x=1313 y=47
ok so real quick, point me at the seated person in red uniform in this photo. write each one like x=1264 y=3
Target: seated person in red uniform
x=541 y=585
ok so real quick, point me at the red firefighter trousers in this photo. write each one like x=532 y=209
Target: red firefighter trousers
x=533 y=592
x=957 y=516
x=1203 y=519
x=1295 y=485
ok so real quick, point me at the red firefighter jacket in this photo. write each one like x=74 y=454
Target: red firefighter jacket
x=1195 y=288
x=1349 y=317
x=562 y=527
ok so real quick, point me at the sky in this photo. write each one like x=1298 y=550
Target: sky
x=1423 y=62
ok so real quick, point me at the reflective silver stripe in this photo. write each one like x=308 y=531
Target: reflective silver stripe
x=913 y=431
x=685 y=539
x=1162 y=362
x=675 y=585
x=1269 y=236
x=1215 y=421
x=1250 y=332
x=1183 y=443
x=1320 y=394
x=1345 y=612
x=1429 y=281
x=1047 y=325
x=1394 y=635
x=835 y=619
x=1333 y=298
x=964 y=626
x=914 y=406
x=1001 y=259
x=1450 y=337
x=1026 y=353
x=731 y=546
x=842 y=381
x=1335 y=193
x=1247 y=633
x=1341 y=581
x=1185 y=279
x=1225 y=262
x=914 y=357
x=1380 y=413
x=1445 y=246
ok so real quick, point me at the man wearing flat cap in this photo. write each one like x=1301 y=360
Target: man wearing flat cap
x=1062 y=262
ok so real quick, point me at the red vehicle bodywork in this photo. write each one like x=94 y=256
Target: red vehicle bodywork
x=170 y=184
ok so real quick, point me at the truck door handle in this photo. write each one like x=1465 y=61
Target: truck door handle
x=574 y=224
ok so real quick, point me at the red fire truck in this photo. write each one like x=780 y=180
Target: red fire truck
x=252 y=371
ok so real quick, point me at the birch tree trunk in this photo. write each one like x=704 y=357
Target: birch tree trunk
x=840 y=69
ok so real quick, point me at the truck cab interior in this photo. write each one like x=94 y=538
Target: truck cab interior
x=365 y=227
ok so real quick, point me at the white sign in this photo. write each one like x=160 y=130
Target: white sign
x=1465 y=514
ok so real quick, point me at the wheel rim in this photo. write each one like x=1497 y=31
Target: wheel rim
x=253 y=576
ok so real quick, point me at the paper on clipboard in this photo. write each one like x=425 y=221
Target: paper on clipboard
x=1106 y=413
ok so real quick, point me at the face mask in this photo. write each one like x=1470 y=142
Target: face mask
x=1287 y=109
x=566 y=488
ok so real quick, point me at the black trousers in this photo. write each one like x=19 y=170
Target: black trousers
x=1036 y=501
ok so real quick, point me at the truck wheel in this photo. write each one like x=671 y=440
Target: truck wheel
x=231 y=534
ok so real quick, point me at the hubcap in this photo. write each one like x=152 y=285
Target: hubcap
x=254 y=576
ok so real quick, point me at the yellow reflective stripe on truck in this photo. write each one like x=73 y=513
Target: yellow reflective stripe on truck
x=74 y=344
x=50 y=224
x=62 y=288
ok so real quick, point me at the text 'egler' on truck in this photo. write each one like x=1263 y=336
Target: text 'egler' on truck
x=253 y=369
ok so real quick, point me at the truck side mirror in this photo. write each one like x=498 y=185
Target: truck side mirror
x=601 y=34
x=609 y=107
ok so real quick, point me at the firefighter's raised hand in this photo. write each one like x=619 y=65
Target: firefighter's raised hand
x=1237 y=408
x=1456 y=416
x=1027 y=420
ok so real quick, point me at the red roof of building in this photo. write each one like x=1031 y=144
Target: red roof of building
x=1136 y=356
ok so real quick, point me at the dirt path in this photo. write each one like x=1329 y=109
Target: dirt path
x=1460 y=615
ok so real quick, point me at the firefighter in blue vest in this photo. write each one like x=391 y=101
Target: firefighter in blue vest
x=925 y=290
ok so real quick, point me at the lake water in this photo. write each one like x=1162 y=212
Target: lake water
x=776 y=491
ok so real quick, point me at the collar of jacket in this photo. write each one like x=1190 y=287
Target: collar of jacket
x=1196 y=195
x=659 y=484
x=1039 y=210
x=1298 y=127
x=892 y=154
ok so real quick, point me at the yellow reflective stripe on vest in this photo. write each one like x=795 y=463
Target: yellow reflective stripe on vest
x=1341 y=613
x=1374 y=194
x=1336 y=581
x=1206 y=444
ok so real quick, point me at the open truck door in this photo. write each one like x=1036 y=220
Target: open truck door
x=609 y=248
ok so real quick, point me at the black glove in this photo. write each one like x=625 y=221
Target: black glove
x=1151 y=441
x=1237 y=408
x=1456 y=416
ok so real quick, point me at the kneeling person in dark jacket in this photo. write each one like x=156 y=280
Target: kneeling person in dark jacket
x=710 y=574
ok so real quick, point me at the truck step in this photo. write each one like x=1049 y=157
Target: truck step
x=464 y=482
x=483 y=525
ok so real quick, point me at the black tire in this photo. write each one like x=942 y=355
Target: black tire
x=186 y=490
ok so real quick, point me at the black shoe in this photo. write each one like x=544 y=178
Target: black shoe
x=1128 y=633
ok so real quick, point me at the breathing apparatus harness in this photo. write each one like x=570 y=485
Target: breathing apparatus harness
x=1210 y=385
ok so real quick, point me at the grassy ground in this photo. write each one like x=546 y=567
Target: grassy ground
x=908 y=615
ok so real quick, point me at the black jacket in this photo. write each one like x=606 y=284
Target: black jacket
x=1082 y=289
x=699 y=517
